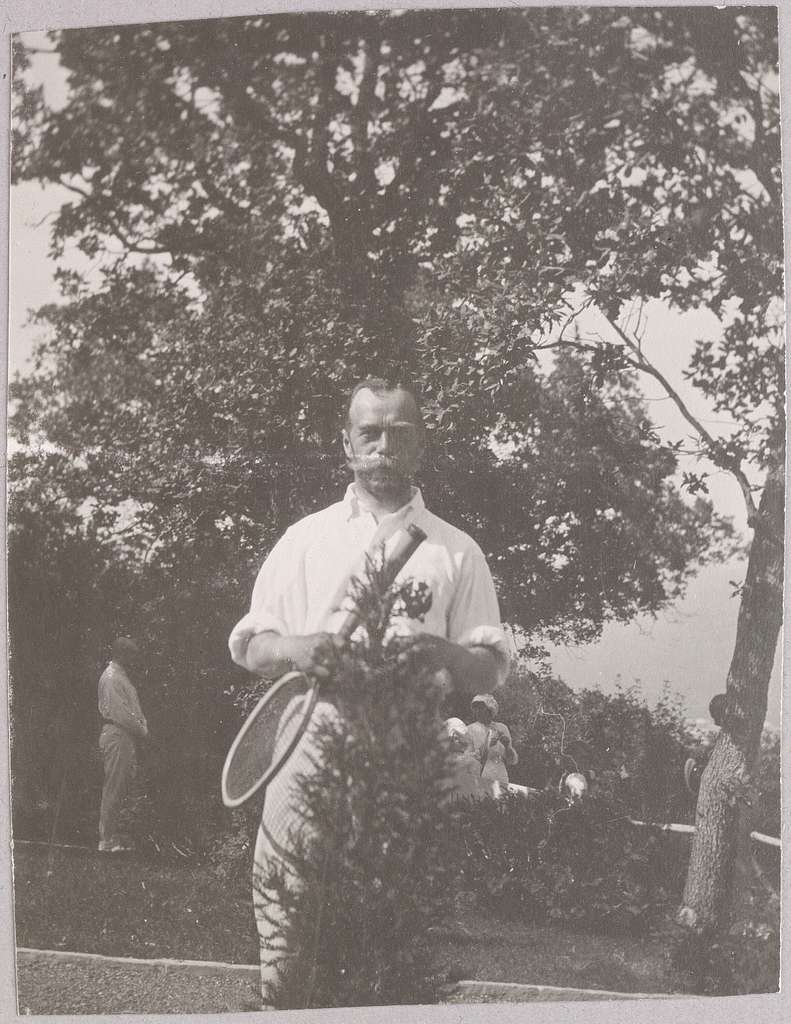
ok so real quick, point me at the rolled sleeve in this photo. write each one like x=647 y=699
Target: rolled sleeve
x=496 y=641
x=279 y=599
x=474 y=615
x=251 y=625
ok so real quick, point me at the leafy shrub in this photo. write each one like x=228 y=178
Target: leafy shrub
x=632 y=753
x=545 y=860
x=371 y=850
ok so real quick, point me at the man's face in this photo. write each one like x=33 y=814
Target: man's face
x=383 y=441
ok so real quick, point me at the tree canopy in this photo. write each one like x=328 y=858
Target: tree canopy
x=284 y=204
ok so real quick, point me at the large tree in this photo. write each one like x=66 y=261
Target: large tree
x=639 y=158
x=281 y=204
x=270 y=200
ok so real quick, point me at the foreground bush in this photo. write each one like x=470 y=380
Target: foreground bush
x=372 y=851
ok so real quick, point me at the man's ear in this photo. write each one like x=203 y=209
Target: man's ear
x=347 y=444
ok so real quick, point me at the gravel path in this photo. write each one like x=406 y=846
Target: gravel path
x=47 y=987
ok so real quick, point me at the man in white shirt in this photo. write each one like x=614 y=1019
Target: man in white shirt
x=123 y=724
x=298 y=597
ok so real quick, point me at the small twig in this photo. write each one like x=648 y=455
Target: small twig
x=555 y=714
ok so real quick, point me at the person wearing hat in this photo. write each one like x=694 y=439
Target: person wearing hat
x=123 y=726
x=491 y=741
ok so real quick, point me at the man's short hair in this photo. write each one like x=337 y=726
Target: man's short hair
x=381 y=385
x=718 y=706
x=124 y=649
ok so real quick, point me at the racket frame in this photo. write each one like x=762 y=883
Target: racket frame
x=416 y=537
x=312 y=697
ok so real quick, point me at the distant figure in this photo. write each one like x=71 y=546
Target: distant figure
x=491 y=742
x=574 y=786
x=699 y=757
x=465 y=779
x=123 y=725
x=718 y=706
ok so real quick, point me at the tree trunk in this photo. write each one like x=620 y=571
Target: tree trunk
x=721 y=816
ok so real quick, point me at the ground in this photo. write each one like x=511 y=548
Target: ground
x=140 y=906
x=104 y=989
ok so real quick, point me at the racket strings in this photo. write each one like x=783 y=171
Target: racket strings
x=269 y=735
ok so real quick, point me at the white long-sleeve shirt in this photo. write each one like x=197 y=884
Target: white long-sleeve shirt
x=118 y=701
x=302 y=585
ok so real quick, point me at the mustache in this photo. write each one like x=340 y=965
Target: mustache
x=367 y=463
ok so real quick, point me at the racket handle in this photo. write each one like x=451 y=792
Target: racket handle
x=402 y=552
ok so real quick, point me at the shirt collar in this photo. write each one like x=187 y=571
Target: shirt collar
x=355 y=504
x=117 y=667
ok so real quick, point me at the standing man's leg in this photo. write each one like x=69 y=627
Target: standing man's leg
x=118 y=755
x=282 y=819
x=270 y=917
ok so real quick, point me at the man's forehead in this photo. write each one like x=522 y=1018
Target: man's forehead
x=397 y=405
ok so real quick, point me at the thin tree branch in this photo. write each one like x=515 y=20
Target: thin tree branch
x=759 y=163
x=407 y=159
x=115 y=228
x=578 y=346
x=203 y=170
x=733 y=465
x=361 y=112
x=560 y=340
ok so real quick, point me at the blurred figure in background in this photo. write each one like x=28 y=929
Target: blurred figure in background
x=698 y=756
x=491 y=741
x=465 y=779
x=123 y=726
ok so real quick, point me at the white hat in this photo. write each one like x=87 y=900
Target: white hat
x=487 y=700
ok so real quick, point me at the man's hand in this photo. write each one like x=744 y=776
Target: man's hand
x=314 y=653
x=426 y=651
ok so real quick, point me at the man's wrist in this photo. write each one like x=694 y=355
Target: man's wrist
x=268 y=653
x=284 y=657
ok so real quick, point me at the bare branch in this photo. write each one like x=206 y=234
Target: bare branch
x=759 y=162
x=731 y=464
x=361 y=112
x=114 y=228
x=572 y=318
x=84 y=192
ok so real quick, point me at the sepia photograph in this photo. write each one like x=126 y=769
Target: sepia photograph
x=395 y=472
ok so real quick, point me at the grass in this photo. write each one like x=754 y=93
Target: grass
x=136 y=905
x=480 y=946
x=130 y=905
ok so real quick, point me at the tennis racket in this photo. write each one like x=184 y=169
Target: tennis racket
x=278 y=722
